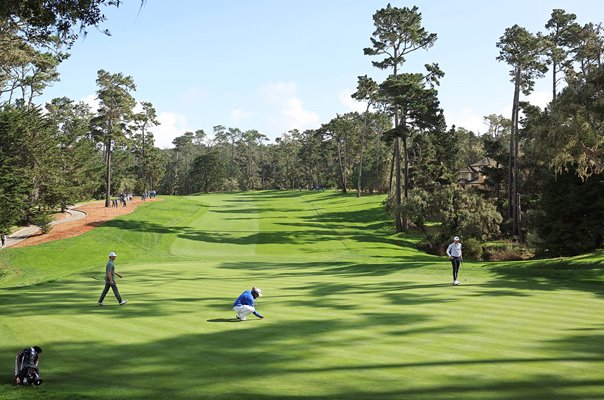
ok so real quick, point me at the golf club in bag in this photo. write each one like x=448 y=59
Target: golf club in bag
x=26 y=367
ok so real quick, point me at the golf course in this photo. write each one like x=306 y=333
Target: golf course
x=352 y=310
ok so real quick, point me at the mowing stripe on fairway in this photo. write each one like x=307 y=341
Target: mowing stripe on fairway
x=353 y=311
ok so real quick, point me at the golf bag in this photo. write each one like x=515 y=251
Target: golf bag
x=26 y=367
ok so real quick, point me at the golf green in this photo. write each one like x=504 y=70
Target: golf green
x=352 y=310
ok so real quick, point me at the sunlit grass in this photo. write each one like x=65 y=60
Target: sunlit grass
x=353 y=311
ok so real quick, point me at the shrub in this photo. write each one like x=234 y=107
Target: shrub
x=472 y=249
x=231 y=185
x=430 y=246
x=507 y=251
x=42 y=220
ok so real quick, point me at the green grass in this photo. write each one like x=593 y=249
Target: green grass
x=352 y=310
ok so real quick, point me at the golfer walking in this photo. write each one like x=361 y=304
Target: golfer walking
x=244 y=305
x=110 y=281
x=454 y=253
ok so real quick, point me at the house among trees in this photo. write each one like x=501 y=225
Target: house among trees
x=473 y=176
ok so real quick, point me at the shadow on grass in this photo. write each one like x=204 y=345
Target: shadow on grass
x=335 y=268
x=534 y=279
x=141 y=226
x=79 y=295
x=293 y=356
x=224 y=320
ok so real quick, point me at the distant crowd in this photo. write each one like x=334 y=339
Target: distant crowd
x=123 y=198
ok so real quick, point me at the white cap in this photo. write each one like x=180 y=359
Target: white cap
x=456 y=238
x=112 y=254
x=258 y=291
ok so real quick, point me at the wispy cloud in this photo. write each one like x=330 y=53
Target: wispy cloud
x=540 y=98
x=92 y=102
x=171 y=126
x=288 y=109
x=350 y=103
x=466 y=118
x=238 y=115
x=193 y=94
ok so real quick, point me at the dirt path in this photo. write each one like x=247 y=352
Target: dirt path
x=85 y=218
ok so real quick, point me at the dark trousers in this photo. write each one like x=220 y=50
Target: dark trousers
x=115 y=292
x=455 y=261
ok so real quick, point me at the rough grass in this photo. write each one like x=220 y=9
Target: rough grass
x=352 y=310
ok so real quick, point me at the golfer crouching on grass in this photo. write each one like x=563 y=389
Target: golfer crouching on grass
x=244 y=305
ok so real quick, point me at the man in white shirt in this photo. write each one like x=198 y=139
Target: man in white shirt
x=454 y=253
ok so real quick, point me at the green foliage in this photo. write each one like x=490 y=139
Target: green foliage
x=231 y=185
x=506 y=251
x=41 y=219
x=572 y=215
x=14 y=184
x=570 y=135
x=143 y=147
x=26 y=68
x=459 y=212
x=413 y=105
x=472 y=249
x=79 y=166
x=30 y=186
x=464 y=213
x=115 y=113
x=209 y=172
x=398 y=31
x=43 y=20
x=417 y=207
x=523 y=51
x=178 y=162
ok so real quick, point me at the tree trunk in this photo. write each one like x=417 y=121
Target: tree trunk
x=108 y=174
x=342 y=167
x=406 y=161
x=516 y=222
x=377 y=163
x=144 y=164
x=397 y=199
x=363 y=132
x=554 y=73
x=392 y=167
x=513 y=159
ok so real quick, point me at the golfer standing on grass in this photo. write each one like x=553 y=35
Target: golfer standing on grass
x=244 y=305
x=110 y=281
x=454 y=253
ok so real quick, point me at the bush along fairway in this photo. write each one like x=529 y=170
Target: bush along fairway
x=352 y=311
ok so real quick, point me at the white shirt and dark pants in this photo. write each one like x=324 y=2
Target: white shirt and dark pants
x=454 y=252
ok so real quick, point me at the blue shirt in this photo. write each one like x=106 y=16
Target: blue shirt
x=245 y=299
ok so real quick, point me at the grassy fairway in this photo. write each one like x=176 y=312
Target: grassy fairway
x=352 y=311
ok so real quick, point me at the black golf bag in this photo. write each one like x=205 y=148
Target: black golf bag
x=26 y=367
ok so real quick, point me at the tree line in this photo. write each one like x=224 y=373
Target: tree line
x=543 y=182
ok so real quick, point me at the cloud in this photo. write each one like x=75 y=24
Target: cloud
x=288 y=109
x=296 y=117
x=466 y=118
x=276 y=93
x=240 y=115
x=193 y=95
x=92 y=102
x=171 y=126
x=540 y=98
x=350 y=103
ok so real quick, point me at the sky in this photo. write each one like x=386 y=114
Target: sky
x=278 y=65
